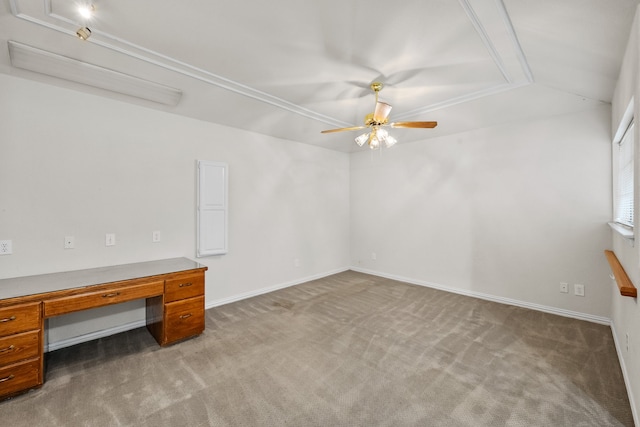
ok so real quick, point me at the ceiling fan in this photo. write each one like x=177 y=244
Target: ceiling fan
x=378 y=119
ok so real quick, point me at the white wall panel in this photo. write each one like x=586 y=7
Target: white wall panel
x=212 y=208
x=625 y=311
x=508 y=211
x=73 y=164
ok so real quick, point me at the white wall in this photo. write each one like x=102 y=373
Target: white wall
x=81 y=165
x=507 y=212
x=625 y=312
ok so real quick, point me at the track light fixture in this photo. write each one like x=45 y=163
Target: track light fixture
x=86 y=11
x=84 y=33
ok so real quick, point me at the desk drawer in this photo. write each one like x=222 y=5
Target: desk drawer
x=19 y=347
x=106 y=296
x=187 y=286
x=19 y=377
x=184 y=319
x=19 y=318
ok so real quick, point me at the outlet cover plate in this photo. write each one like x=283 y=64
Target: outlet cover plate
x=6 y=247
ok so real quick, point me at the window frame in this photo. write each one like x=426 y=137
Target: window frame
x=623 y=209
x=624 y=134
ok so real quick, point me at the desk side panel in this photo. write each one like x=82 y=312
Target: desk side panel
x=155 y=323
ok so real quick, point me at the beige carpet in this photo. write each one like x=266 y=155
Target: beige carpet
x=347 y=350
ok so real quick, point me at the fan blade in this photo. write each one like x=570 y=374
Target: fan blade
x=381 y=112
x=427 y=125
x=343 y=129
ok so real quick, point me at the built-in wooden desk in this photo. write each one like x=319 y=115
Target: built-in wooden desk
x=173 y=289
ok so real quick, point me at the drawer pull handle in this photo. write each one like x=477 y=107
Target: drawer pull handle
x=184 y=285
x=7 y=319
x=10 y=377
x=186 y=316
x=10 y=348
x=111 y=295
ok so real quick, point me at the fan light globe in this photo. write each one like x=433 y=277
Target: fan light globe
x=390 y=141
x=362 y=139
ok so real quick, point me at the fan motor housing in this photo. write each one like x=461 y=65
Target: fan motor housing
x=368 y=121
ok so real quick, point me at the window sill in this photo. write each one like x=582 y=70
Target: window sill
x=625 y=232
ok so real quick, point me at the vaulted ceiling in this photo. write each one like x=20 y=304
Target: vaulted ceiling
x=291 y=68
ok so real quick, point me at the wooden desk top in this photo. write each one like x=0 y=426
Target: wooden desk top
x=45 y=283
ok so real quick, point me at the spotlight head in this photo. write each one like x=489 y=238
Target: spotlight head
x=84 y=33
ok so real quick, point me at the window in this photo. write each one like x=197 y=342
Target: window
x=623 y=208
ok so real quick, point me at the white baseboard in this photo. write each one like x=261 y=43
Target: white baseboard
x=494 y=298
x=552 y=310
x=625 y=375
x=223 y=301
x=215 y=303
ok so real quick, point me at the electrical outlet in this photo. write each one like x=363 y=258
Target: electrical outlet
x=374 y=256
x=627 y=337
x=110 y=239
x=6 y=247
x=296 y=262
x=564 y=287
x=69 y=242
x=578 y=290
x=156 y=237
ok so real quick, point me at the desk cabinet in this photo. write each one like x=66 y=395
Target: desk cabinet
x=173 y=289
x=20 y=347
x=179 y=313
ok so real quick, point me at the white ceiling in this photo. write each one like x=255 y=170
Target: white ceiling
x=291 y=68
